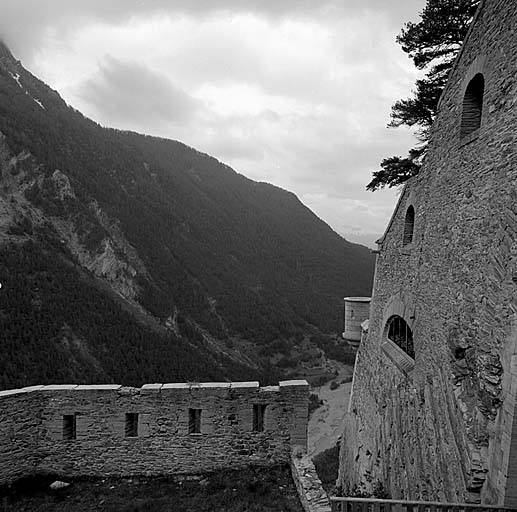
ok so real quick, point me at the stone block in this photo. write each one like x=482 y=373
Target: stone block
x=210 y=385
x=12 y=392
x=298 y=384
x=30 y=389
x=253 y=385
x=97 y=387
x=205 y=389
x=58 y=387
x=151 y=388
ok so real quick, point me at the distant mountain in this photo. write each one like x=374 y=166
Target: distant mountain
x=367 y=239
x=131 y=258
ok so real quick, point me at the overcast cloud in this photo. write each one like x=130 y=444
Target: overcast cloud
x=293 y=92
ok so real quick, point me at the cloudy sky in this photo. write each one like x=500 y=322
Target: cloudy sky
x=293 y=92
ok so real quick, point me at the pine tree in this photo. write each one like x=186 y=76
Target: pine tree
x=432 y=44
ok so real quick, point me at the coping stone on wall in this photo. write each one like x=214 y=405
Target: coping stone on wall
x=251 y=384
x=286 y=384
x=205 y=385
x=59 y=387
x=20 y=391
x=173 y=390
x=209 y=388
x=98 y=387
x=30 y=389
x=10 y=392
x=266 y=389
x=151 y=388
x=176 y=385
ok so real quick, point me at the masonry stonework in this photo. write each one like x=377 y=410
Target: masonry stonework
x=356 y=312
x=443 y=426
x=32 y=430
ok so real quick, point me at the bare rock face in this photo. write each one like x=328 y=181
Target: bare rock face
x=29 y=199
x=117 y=272
x=62 y=185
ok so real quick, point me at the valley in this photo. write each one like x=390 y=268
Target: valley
x=326 y=422
x=132 y=259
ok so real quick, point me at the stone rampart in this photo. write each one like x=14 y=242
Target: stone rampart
x=101 y=430
x=308 y=484
x=440 y=424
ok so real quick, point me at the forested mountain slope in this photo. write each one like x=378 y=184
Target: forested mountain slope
x=131 y=258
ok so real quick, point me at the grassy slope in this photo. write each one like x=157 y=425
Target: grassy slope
x=250 y=490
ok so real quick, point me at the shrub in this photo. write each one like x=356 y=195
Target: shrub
x=327 y=466
x=378 y=491
x=314 y=402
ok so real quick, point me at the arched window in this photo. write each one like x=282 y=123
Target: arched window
x=409 y=225
x=400 y=334
x=472 y=105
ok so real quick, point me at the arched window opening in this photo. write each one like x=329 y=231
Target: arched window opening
x=400 y=333
x=409 y=225
x=472 y=105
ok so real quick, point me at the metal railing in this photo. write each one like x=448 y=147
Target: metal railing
x=345 y=504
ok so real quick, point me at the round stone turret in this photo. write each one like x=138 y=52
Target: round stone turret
x=357 y=310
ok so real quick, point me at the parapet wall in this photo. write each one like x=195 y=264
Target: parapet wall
x=101 y=430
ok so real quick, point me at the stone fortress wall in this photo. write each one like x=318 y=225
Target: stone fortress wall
x=442 y=425
x=101 y=430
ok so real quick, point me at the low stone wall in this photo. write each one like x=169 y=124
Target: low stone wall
x=19 y=433
x=75 y=430
x=312 y=495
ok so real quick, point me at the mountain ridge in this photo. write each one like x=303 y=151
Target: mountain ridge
x=206 y=252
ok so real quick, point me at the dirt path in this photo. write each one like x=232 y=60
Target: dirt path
x=326 y=423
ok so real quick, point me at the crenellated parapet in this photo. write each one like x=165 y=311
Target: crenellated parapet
x=158 y=429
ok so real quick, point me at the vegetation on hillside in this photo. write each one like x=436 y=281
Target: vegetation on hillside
x=432 y=44
x=327 y=467
x=220 y=257
x=57 y=326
